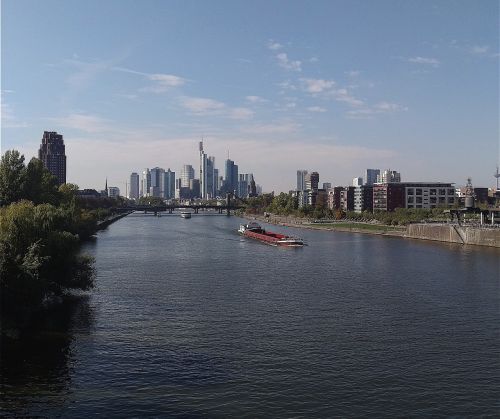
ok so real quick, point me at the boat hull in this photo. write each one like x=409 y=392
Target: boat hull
x=274 y=239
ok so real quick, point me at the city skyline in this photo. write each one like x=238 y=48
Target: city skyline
x=333 y=87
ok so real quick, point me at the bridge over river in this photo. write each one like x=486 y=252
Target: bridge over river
x=171 y=208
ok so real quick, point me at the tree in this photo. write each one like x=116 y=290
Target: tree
x=40 y=184
x=39 y=257
x=12 y=177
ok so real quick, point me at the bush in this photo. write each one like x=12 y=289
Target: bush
x=39 y=257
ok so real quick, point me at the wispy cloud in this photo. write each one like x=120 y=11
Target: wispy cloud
x=85 y=72
x=201 y=105
x=273 y=45
x=83 y=122
x=327 y=89
x=9 y=120
x=162 y=81
x=316 y=109
x=287 y=64
x=353 y=73
x=206 y=106
x=287 y=85
x=315 y=86
x=343 y=95
x=241 y=113
x=433 y=62
x=377 y=109
x=255 y=99
x=278 y=127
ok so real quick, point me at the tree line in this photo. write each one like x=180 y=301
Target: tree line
x=41 y=228
x=285 y=204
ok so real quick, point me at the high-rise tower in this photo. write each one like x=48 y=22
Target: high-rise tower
x=53 y=155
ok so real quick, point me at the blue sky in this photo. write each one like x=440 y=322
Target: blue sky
x=332 y=86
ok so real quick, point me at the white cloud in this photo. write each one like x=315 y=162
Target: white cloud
x=377 y=109
x=479 y=49
x=241 y=113
x=316 y=85
x=274 y=46
x=343 y=95
x=287 y=85
x=255 y=99
x=206 y=106
x=288 y=64
x=425 y=61
x=201 y=105
x=9 y=120
x=83 y=122
x=162 y=81
x=389 y=107
x=278 y=127
x=316 y=109
x=313 y=59
x=353 y=73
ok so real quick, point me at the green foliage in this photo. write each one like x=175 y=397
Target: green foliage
x=40 y=185
x=283 y=204
x=38 y=256
x=153 y=201
x=12 y=177
x=40 y=231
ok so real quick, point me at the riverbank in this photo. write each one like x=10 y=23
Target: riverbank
x=101 y=225
x=351 y=227
x=448 y=233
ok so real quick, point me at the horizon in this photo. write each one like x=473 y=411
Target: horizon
x=333 y=87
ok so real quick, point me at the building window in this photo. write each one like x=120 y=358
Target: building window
x=419 y=201
x=419 y=191
x=442 y=192
x=433 y=192
x=410 y=199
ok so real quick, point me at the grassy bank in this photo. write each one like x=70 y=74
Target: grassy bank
x=362 y=227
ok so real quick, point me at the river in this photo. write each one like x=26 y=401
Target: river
x=189 y=319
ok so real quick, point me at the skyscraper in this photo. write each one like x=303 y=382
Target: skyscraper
x=301 y=182
x=371 y=176
x=207 y=178
x=231 y=182
x=357 y=181
x=145 y=182
x=157 y=178
x=169 y=184
x=311 y=181
x=52 y=154
x=389 y=176
x=187 y=173
x=134 y=186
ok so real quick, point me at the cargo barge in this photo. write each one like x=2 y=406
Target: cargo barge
x=255 y=231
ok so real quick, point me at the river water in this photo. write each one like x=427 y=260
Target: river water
x=191 y=320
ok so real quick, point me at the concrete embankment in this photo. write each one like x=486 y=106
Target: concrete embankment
x=451 y=233
x=101 y=225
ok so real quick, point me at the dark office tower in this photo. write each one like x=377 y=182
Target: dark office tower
x=52 y=154
x=231 y=181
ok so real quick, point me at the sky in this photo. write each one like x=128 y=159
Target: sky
x=329 y=86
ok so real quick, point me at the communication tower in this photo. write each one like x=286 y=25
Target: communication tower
x=497 y=176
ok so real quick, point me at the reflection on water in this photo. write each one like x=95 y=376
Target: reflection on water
x=39 y=361
x=191 y=320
